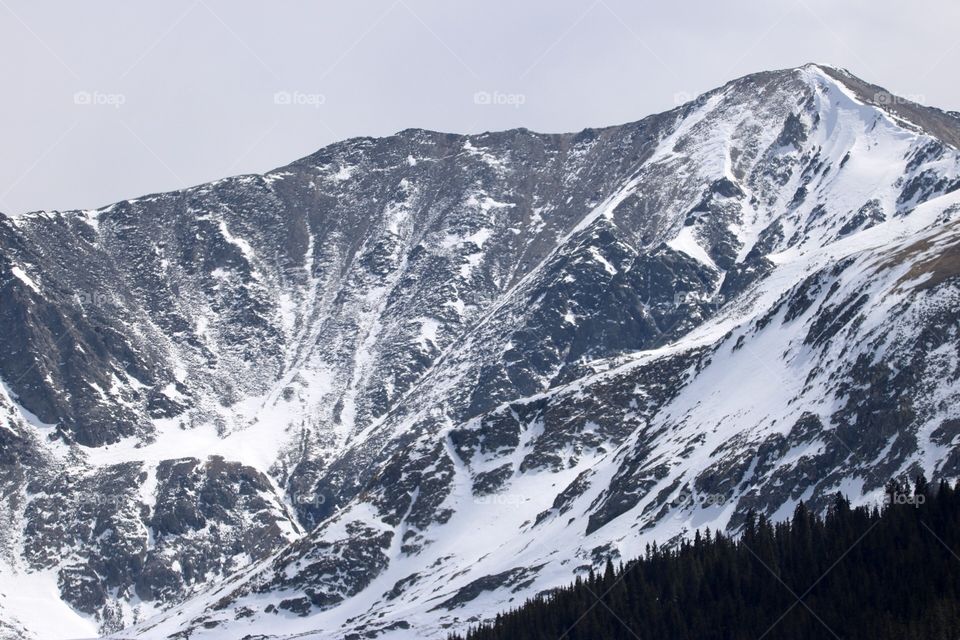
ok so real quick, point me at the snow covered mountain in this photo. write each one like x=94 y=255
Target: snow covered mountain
x=404 y=383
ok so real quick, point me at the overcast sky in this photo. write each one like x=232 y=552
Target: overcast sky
x=105 y=100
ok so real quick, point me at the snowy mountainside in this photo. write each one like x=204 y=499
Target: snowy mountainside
x=404 y=383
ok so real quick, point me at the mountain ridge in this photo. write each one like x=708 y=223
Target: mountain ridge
x=308 y=386
x=407 y=131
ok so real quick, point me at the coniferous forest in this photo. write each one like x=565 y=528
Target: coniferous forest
x=878 y=573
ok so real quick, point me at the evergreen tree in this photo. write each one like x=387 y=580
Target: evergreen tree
x=866 y=573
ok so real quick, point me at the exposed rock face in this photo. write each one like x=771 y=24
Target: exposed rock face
x=405 y=382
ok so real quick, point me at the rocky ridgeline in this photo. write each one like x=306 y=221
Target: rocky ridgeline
x=404 y=383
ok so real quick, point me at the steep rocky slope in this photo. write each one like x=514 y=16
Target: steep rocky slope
x=403 y=383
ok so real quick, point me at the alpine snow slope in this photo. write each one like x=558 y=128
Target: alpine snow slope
x=404 y=383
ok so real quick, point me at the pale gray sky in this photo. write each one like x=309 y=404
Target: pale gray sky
x=110 y=99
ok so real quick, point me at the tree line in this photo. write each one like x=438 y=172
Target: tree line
x=881 y=573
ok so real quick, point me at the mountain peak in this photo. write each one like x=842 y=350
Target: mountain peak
x=416 y=379
x=822 y=67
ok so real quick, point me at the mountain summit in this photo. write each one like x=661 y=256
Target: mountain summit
x=404 y=383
